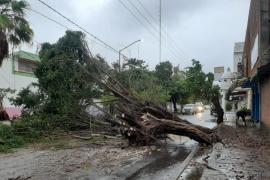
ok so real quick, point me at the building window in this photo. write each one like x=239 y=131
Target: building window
x=26 y=66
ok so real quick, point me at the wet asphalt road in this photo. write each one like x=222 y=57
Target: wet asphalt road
x=167 y=163
x=202 y=119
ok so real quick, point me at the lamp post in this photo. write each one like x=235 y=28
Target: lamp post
x=119 y=59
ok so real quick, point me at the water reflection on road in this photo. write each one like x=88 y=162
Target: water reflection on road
x=168 y=161
x=202 y=119
x=166 y=164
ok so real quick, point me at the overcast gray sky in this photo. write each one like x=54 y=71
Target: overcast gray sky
x=202 y=29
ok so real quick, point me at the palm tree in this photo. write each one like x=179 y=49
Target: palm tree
x=14 y=28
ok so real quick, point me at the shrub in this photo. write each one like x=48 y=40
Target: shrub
x=26 y=130
x=228 y=106
x=248 y=111
x=8 y=139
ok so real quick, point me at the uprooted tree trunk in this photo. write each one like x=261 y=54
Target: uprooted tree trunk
x=144 y=122
x=218 y=109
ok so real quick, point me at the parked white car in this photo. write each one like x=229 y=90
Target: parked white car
x=189 y=109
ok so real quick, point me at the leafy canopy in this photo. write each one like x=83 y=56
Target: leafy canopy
x=65 y=89
x=14 y=28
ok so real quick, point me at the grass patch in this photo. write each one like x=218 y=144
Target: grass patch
x=19 y=134
x=37 y=131
x=9 y=140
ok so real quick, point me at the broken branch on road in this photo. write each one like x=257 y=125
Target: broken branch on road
x=144 y=122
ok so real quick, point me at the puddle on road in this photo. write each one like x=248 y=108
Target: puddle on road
x=168 y=159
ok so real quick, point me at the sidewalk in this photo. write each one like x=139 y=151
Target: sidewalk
x=244 y=155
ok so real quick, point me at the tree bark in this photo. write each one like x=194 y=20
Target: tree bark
x=218 y=109
x=145 y=122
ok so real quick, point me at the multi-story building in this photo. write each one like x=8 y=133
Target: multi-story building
x=240 y=97
x=218 y=72
x=256 y=59
x=17 y=72
x=224 y=80
x=237 y=56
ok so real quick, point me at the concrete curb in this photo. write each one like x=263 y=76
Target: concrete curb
x=187 y=160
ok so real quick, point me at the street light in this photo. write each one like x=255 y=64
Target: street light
x=140 y=40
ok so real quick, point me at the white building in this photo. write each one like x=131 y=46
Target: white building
x=218 y=72
x=17 y=72
x=237 y=55
x=241 y=96
x=225 y=83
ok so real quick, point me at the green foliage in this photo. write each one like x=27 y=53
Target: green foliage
x=245 y=109
x=142 y=82
x=207 y=88
x=14 y=28
x=228 y=106
x=26 y=130
x=3 y=93
x=28 y=100
x=182 y=90
x=164 y=72
x=108 y=99
x=63 y=81
x=154 y=93
x=33 y=126
x=195 y=80
x=65 y=88
x=166 y=83
x=8 y=139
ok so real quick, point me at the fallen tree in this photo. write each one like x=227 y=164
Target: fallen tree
x=69 y=81
x=144 y=122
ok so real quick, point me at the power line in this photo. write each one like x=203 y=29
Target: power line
x=95 y=37
x=149 y=22
x=77 y=25
x=152 y=25
x=145 y=18
x=60 y=24
x=135 y=16
x=47 y=17
x=164 y=30
x=145 y=9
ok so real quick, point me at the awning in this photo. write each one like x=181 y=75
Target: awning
x=247 y=84
x=262 y=71
x=238 y=83
x=238 y=93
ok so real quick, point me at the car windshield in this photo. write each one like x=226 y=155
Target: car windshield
x=189 y=105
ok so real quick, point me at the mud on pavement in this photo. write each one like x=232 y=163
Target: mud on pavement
x=74 y=163
x=244 y=155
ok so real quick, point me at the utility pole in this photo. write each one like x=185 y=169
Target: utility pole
x=160 y=15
